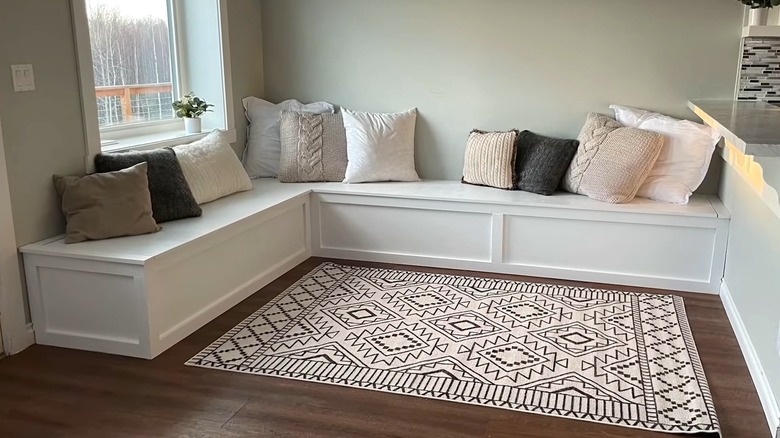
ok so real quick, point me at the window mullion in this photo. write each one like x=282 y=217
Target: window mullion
x=177 y=76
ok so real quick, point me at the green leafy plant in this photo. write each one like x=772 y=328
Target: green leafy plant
x=760 y=4
x=192 y=106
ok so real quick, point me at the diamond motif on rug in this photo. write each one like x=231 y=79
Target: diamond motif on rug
x=576 y=339
x=464 y=326
x=606 y=356
x=358 y=315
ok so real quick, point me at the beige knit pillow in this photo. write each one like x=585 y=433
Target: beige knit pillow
x=612 y=161
x=314 y=147
x=490 y=159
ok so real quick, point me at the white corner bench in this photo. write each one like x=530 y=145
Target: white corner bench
x=139 y=295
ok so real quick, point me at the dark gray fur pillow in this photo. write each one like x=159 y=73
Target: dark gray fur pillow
x=542 y=162
x=171 y=195
x=314 y=147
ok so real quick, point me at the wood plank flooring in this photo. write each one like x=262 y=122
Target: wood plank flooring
x=54 y=392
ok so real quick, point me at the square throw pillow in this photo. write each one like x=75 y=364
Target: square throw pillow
x=380 y=147
x=211 y=168
x=684 y=159
x=542 y=162
x=490 y=159
x=314 y=147
x=263 y=145
x=103 y=205
x=171 y=195
x=612 y=160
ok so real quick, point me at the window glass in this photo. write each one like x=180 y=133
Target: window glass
x=132 y=60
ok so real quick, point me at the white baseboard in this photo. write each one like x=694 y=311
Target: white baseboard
x=15 y=342
x=768 y=401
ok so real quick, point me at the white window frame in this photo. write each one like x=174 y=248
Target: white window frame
x=152 y=134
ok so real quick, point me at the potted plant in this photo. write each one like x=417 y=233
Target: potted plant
x=190 y=108
x=759 y=10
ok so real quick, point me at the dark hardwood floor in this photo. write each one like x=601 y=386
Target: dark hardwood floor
x=54 y=392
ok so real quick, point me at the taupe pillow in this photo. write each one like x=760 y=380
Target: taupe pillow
x=490 y=159
x=612 y=160
x=104 y=205
x=314 y=147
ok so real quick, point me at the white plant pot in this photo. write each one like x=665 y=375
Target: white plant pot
x=192 y=125
x=758 y=17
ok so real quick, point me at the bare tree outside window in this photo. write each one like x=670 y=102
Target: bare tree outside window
x=131 y=58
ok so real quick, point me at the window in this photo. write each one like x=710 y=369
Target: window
x=131 y=60
x=137 y=57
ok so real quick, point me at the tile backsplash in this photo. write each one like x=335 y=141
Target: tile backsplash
x=760 y=70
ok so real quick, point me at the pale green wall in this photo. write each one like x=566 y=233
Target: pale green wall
x=43 y=129
x=499 y=64
x=753 y=269
x=246 y=57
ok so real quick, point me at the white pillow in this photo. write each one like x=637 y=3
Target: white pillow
x=263 y=147
x=211 y=168
x=685 y=157
x=380 y=147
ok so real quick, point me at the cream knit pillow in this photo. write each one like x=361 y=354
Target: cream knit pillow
x=490 y=159
x=211 y=168
x=612 y=160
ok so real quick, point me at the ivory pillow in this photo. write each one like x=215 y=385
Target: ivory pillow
x=612 y=160
x=109 y=204
x=685 y=157
x=380 y=147
x=490 y=159
x=263 y=145
x=212 y=168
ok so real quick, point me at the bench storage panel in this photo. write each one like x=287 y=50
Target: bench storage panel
x=660 y=255
x=566 y=236
x=347 y=223
x=137 y=296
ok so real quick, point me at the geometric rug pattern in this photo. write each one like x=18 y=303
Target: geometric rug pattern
x=596 y=355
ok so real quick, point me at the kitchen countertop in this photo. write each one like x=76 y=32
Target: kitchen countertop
x=753 y=127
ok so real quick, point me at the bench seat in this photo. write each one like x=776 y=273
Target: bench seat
x=140 y=295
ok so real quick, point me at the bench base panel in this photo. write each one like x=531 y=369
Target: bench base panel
x=141 y=310
x=655 y=251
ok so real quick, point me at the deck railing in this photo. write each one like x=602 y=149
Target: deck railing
x=126 y=93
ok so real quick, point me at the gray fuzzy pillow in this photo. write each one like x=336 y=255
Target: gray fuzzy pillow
x=314 y=147
x=171 y=195
x=542 y=162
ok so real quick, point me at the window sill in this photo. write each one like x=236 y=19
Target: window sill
x=158 y=140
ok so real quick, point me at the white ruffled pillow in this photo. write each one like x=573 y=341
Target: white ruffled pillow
x=685 y=157
x=380 y=147
x=263 y=146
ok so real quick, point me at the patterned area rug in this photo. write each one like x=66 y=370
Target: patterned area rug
x=596 y=355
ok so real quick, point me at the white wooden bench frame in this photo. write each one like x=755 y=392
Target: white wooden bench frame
x=94 y=297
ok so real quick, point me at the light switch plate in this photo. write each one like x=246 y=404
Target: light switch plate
x=22 y=75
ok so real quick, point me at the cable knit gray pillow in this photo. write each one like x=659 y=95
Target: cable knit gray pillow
x=171 y=195
x=314 y=147
x=542 y=162
x=612 y=160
